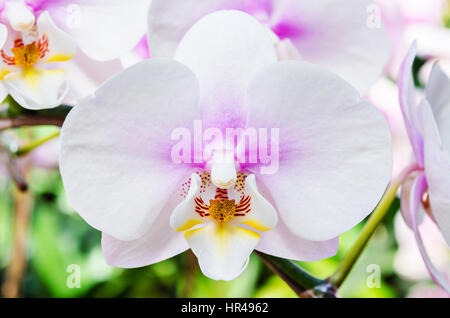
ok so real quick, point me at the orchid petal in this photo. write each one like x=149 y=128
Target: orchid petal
x=262 y=216
x=4 y=69
x=3 y=34
x=225 y=49
x=222 y=250
x=96 y=26
x=85 y=75
x=281 y=242
x=115 y=153
x=184 y=216
x=409 y=103
x=331 y=141
x=60 y=45
x=37 y=88
x=438 y=95
x=169 y=20
x=160 y=242
x=437 y=277
x=412 y=192
x=336 y=35
x=437 y=170
x=406 y=258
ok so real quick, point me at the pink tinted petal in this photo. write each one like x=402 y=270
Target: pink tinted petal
x=411 y=198
x=336 y=35
x=169 y=20
x=341 y=41
x=438 y=95
x=331 y=143
x=225 y=50
x=409 y=103
x=85 y=75
x=160 y=242
x=283 y=243
x=116 y=160
x=141 y=49
x=437 y=170
x=437 y=277
x=384 y=95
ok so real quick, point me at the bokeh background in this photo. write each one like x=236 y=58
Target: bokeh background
x=42 y=239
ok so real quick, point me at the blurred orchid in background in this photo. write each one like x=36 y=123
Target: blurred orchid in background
x=118 y=174
x=426 y=191
x=421 y=20
x=406 y=21
x=406 y=258
x=332 y=33
x=36 y=34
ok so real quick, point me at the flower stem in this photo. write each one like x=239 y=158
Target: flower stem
x=371 y=225
x=16 y=267
x=302 y=283
x=7 y=123
x=16 y=116
x=22 y=151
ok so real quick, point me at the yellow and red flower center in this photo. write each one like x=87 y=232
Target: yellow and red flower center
x=26 y=55
x=221 y=209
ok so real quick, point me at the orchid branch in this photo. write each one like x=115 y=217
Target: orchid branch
x=7 y=123
x=16 y=116
x=302 y=283
x=371 y=225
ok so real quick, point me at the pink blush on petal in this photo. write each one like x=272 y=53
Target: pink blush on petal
x=142 y=49
x=287 y=30
x=261 y=10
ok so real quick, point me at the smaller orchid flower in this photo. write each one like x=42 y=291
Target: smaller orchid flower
x=38 y=37
x=427 y=124
x=152 y=199
x=339 y=35
x=24 y=70
x=103 y=30
x=409 y=20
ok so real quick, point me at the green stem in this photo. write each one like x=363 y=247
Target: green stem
x=304 y=284
x=22 y=151
x=371 y=225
